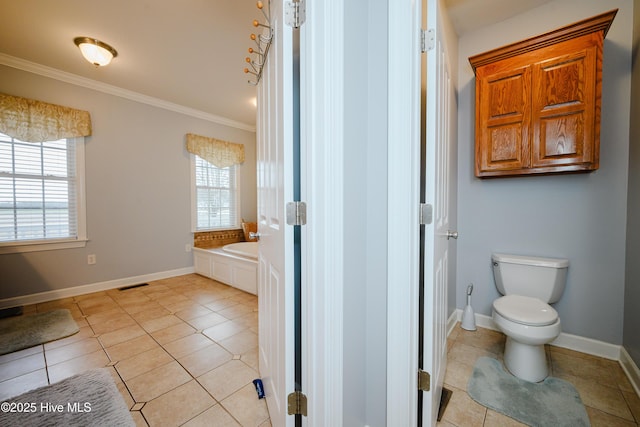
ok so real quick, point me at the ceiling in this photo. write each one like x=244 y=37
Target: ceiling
x=189 y=52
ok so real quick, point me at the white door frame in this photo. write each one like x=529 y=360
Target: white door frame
x=322 y=183
x=322 y=139
x=403 y=232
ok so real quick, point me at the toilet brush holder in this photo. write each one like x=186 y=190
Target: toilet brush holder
x=468 y=316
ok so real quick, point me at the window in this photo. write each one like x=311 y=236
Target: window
x=41 y=194
x=216 y=196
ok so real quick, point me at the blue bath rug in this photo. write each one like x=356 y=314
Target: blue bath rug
x=552 y=402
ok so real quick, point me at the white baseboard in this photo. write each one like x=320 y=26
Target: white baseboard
x=571 y=342
x=631 y=369
x=452 y=321
x=588 y=345
x=90 y=288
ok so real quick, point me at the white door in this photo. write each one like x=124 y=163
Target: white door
x=275 y=187
x=436 y=262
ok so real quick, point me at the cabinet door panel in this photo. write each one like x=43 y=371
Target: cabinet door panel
x=560 y=137
x=563 y=109
x=503 y=120
x=503 y=144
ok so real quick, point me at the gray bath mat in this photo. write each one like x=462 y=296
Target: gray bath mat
x=552 y=402
x=88 y=399
x=21 y=332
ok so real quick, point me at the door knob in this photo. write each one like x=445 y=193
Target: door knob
x=452 y=234
x=253 y=235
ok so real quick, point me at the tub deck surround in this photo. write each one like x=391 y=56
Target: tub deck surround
x=245 y=249
x=235 y=265
x=215 y=239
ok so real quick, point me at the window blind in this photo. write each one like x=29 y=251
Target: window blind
x=217 y=198
x=38 y=186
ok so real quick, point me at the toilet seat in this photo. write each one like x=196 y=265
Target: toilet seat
x=525 y=310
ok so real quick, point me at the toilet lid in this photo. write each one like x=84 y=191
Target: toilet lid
x=525 y=310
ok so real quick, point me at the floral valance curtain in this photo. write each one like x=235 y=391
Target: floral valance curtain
x=219 y=153
x=35 y=121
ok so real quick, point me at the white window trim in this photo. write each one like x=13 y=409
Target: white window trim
x=55 y=244
x=194 y=209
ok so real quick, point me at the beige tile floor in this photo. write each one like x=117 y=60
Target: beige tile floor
x=604 y=389
x=183 y=351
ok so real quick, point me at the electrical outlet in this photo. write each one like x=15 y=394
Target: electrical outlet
x=187 y=247
x=91 y=259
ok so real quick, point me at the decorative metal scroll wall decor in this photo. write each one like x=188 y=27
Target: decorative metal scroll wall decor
x=263 y=42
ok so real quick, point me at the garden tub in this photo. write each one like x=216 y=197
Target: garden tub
x=235 y=264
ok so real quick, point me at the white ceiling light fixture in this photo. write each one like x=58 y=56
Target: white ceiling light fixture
x=96 y=52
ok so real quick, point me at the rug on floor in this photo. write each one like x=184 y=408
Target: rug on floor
x=87 y=399
x=21 y=332
x=552 y=402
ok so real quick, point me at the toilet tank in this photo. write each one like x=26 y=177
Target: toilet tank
x=542 y=278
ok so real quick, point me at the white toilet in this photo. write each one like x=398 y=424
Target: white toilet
x=523 y=313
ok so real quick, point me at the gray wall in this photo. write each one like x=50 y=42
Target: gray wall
x=365 y=215
x=631 y=339
x=137 y=190
x=366 y=146
x=581 y=217
x=375 y=283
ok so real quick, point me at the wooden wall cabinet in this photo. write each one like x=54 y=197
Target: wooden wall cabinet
x=538 y=102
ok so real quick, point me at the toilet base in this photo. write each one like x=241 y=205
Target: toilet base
x=527 y=362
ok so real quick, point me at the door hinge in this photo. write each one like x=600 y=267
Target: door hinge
x=426 y=214
x=295 y=13
x=427 y=40
x=296 y=213
x=297 y=403
x=424 y=380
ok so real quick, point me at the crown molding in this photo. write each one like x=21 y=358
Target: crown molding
x=598 y=23
x=63 y=76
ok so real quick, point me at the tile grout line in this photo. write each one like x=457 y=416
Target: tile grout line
x=455 y=339
x=176 y=360
x=245 y=304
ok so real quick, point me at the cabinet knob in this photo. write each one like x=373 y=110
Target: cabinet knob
x=452 y=234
